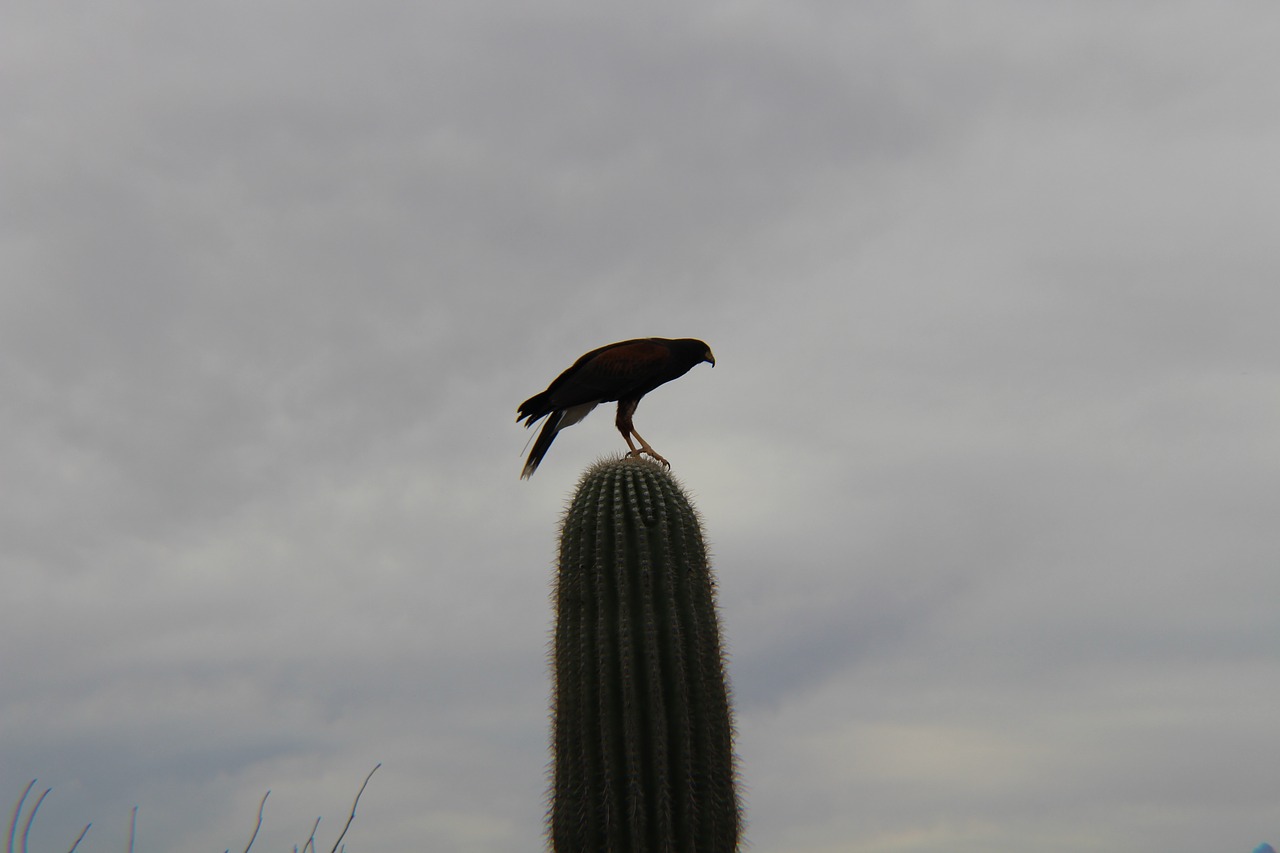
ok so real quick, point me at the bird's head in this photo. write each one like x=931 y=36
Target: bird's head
x=695 y=350
x=688 y=352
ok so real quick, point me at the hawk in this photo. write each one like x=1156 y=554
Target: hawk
x=625 y=372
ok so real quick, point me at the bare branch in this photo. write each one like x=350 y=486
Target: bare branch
x=83 y=833
x=355 y=803
x=311 y=842
x=133 y=828
x=261 y=806
x=26 y=828
x=17 y=812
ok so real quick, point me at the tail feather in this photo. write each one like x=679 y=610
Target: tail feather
x=543 y=444
x=533 y=408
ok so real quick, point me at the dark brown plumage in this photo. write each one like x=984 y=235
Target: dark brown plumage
x=625 y=372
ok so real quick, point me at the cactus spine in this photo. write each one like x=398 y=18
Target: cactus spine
x=643 y=740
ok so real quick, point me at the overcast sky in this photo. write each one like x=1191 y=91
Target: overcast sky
x=989 y=461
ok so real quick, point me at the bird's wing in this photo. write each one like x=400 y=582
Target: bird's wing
x=609 y=373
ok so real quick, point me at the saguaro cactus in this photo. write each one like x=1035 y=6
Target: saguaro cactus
x=643 y=740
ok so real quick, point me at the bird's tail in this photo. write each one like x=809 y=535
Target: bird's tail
x=543 y=444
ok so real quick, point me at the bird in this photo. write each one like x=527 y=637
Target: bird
x=624 y=371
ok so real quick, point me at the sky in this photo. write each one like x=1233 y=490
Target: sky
x=989 y=462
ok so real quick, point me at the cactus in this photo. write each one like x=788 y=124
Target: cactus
x=643 y=741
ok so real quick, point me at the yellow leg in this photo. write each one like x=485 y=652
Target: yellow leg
x=623 y=423
x=644 y=448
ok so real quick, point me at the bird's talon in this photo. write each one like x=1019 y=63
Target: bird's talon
x=641 y=452
x=656 y=457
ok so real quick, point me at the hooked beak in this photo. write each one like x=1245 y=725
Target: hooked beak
x=709 y=357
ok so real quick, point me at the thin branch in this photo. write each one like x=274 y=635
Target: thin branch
x=353 y=807
x=261 y=806
x=17 y=812
x=83 y=833
x=311 y=842
x=133 y=828
x=26 y=828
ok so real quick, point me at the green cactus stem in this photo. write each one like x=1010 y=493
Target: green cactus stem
x=643 y=736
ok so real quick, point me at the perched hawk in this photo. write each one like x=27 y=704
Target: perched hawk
x=625 y=372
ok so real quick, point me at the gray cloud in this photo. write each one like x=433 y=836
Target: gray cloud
x=986 y=460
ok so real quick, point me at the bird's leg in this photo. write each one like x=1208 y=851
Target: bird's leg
x=626 y=436
x=623 y=422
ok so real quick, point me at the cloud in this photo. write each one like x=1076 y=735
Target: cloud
x=985 y=462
